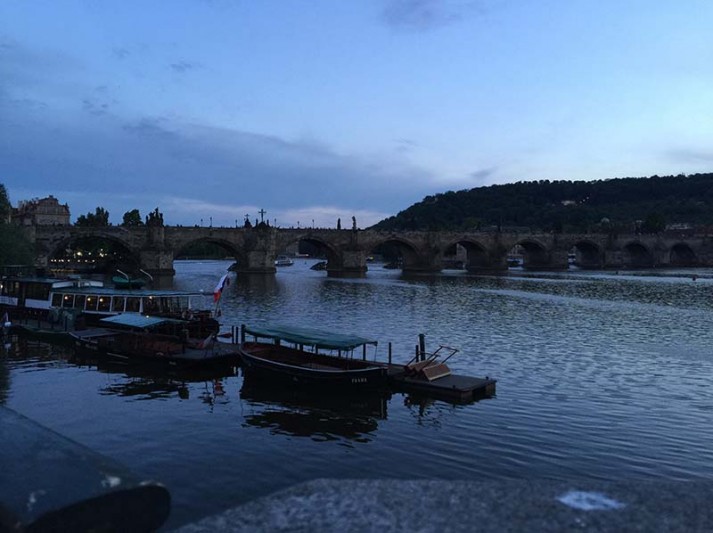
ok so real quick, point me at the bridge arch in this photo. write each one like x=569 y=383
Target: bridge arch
x=335 y=260
x=236 y=252
x=682 y=255
x=65 y=254
x=478 y=256
x=637 y=255
x=588 y=254
x=535 y=254
x=407 y=253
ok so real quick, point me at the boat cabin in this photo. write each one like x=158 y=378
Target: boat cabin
x=107 y=301
x=36 y=293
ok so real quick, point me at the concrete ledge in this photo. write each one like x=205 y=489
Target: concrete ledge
x=436 y=506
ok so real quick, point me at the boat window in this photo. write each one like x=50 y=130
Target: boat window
x=79 y=301
x=12 y=289
x=133 y=304
x=91 y=303
x=37 y=291
x=104 y=303
x=150 y=305
x=118 y=304
x=68 y=300
x=56 y=300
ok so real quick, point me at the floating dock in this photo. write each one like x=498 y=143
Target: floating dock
x=452 y=387
x=428 y=374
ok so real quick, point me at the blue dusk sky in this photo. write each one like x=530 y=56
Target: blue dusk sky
x=326 y=109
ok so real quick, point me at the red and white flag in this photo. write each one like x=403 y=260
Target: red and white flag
x=219 y=287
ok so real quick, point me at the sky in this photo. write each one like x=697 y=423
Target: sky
x=314 y=110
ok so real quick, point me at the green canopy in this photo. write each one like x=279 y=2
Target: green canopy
x=136 y=320
x=309 y=337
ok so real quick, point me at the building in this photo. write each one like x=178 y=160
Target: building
x=41 y=212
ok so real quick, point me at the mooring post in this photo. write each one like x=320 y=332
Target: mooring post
x=242 y=334
x=389 y=352
x=422 y=345
x=363 y=352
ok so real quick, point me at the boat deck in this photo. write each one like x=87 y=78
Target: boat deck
x=452 y=387
x=158 y=350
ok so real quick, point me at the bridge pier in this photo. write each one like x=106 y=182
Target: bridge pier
x=348 y=264
x=258 y=262
x=487 y=263
x=159 y=264
x=558 y=260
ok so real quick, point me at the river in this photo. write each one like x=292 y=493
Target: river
x=603 y=376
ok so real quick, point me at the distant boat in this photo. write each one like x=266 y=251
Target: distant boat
x=283 y=261
x=321 y=265
x=121 y=282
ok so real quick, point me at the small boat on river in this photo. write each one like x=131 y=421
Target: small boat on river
x=283 y=261
x=310 y=357
x=164 y=341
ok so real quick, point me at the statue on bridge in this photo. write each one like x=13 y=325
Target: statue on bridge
x=154 y=218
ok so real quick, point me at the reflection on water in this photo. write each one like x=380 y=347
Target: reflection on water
x=601 y=375
x=303 y=413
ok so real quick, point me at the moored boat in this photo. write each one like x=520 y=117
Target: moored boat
x=310 y=357
x=58 y=302
x=158 y=340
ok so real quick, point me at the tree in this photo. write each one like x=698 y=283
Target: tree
x=654 y=223
x=15 y=249
x=99 y=218
x=5 y=206
x=132 y=218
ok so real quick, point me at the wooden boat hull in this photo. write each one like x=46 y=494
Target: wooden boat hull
x=116 y=347
x=305 y=369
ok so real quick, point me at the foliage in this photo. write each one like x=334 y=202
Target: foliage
x=99 y=218
x=566 y=206
x=5 y=206
x=132 y=218
x=15 y=248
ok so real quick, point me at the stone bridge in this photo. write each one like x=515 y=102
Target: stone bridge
x=154 y=247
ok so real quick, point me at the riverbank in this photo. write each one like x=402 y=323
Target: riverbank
x=497 y=506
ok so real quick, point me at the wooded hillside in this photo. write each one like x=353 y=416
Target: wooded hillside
x=646 y=204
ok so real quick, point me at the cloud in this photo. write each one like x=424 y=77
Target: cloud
x=181 y=67
x=482 y=175
x=222 y=171
x=98 y=157
x=120 y=53
x=404 y=146
x=691 y=156
x=424 y=14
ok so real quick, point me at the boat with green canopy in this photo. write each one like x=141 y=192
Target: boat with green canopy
x=306 y=356
x=132 y=337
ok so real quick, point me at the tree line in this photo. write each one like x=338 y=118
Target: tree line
x=645 y=205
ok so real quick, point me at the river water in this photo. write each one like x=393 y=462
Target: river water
x=603 y=376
